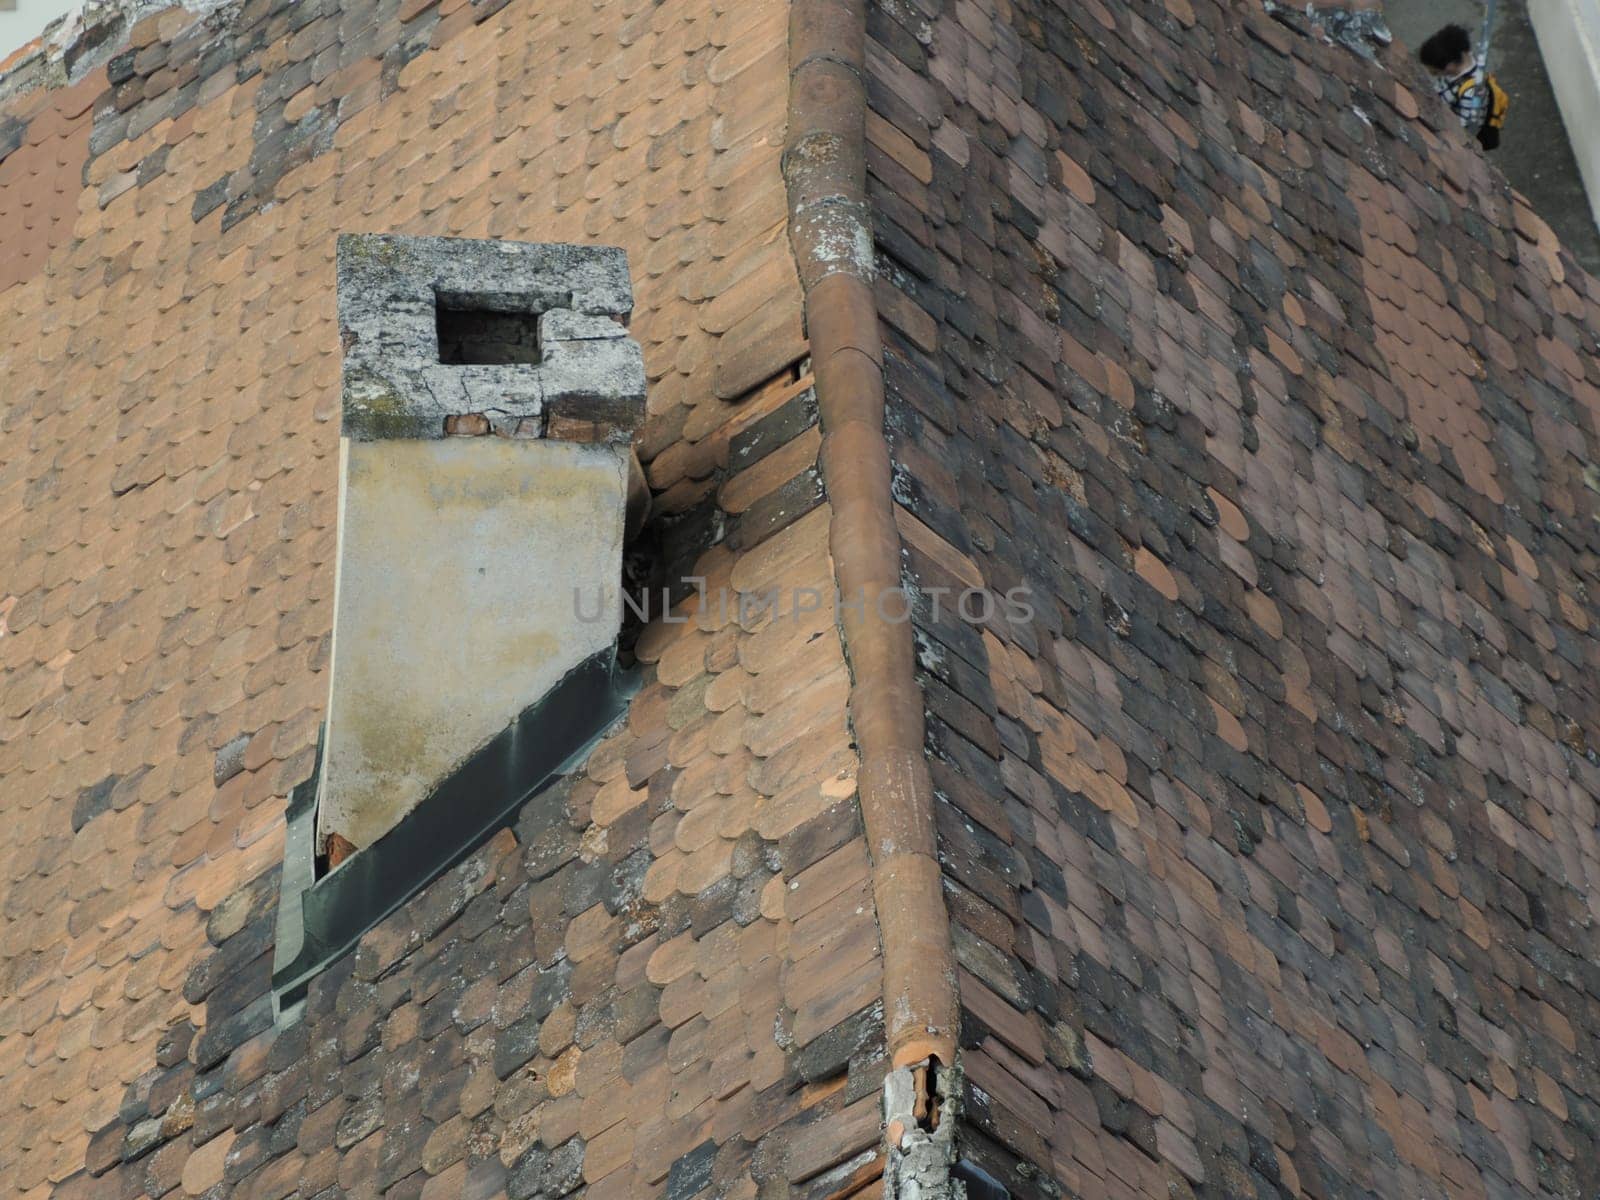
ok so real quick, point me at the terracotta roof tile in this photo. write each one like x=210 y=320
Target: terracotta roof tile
x=170 y=608
x=1167 y=292
x=1286 y=335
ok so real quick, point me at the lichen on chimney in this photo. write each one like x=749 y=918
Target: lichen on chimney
x=426 y=326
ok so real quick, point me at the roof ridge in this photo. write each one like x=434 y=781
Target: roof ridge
x=830 y=230
x=69 y=47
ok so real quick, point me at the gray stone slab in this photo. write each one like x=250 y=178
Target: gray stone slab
x=395 y=386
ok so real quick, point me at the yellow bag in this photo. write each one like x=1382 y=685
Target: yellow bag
x=1488 y=134
x=1499 y=104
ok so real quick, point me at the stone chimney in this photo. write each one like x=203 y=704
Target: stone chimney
x=491 y=395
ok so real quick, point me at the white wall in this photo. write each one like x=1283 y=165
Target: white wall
x=474 y=572
x=21 y=25
x=1569 y=39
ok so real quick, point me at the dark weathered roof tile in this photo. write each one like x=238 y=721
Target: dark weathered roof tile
x=1326 y=297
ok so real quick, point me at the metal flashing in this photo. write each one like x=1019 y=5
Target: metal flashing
x=321 y=919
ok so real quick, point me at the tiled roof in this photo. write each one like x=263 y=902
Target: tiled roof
x=1267 y=843
x=171 y=366
x=1271 y=839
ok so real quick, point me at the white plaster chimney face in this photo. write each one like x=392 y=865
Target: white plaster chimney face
x=473 y=571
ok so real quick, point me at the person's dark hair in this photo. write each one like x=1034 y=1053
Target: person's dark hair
x=1445 y=48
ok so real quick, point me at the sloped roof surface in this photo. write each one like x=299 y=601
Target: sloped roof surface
x=167 y=479
x=1268 y=839
x=1272 y=849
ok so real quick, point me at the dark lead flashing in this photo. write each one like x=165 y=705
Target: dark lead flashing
x=320 y=920
x=980 y=1184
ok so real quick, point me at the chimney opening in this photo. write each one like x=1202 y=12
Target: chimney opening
x=473 y=336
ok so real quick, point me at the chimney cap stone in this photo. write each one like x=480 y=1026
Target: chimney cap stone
x=390 y=289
